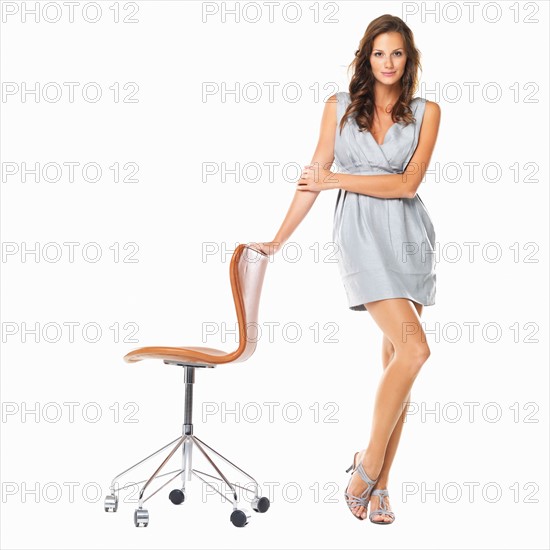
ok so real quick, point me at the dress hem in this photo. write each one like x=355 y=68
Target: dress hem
x=361 y=307
x=357 y=298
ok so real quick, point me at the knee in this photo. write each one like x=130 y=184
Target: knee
x=422 y=353
x=414 y=356
x=387 y=349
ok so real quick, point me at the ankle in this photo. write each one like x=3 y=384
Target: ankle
x=372 y=466
x=381 y=484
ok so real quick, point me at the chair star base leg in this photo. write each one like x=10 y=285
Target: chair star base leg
x=187 y=442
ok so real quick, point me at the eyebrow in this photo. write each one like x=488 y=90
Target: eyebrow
x=378 y=50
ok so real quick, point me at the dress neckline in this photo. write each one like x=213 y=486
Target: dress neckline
x=385 y=136
x=388 y=131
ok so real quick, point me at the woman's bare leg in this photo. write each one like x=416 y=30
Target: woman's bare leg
x=382 y=483
x=399 y=321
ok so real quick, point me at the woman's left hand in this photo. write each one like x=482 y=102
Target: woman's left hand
x=315 y=178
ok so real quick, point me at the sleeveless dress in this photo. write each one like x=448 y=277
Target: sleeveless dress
x=385 y=248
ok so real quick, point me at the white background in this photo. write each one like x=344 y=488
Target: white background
x=173 y=212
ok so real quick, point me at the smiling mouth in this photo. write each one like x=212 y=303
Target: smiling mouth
x=388 y=74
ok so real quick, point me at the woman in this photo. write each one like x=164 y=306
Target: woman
x=382 y=140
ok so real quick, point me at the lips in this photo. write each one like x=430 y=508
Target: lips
x=388 y=74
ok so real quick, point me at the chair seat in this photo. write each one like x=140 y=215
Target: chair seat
x=246 y=270
x=199 y=355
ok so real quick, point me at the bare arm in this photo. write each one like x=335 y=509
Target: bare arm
x=394 y=186
x=324 y=156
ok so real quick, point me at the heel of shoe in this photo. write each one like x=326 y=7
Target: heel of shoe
x=352 y=464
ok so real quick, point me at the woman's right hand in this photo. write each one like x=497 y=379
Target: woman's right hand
x=269 y=248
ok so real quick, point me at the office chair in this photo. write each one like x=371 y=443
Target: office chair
x=247 y=271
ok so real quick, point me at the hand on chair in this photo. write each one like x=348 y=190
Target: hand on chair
x=269 y=248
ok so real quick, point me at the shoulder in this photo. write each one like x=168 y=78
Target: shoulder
x=331 y=103
x=432 y=108
x=330 y=111
x=432 y=114
x=339 y=97
x=431 y=117
x=336 y=102
x=422 y=100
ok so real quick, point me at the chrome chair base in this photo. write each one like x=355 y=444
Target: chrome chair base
x=239 y=517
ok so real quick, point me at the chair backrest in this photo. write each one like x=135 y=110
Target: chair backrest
x=247 y=271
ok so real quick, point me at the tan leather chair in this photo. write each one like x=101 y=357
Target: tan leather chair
x=247 y=270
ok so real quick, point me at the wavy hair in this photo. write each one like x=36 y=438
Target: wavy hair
x=361 y=87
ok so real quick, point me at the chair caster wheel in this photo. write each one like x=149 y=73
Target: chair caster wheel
x=111 y=503
x=239 y=518
x=141 y=518
x=260 y=505
x=176 y=496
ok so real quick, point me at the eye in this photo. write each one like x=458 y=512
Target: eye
x=398 y=54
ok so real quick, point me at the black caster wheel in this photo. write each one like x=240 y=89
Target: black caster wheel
x=141 y=518
x=111 y=503
x=239 y=518
x=176 y=496
x=260 y=504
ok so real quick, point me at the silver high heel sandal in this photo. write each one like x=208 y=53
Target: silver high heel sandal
x=383 y=510
x=363 y=500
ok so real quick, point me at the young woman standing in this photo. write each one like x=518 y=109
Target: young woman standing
x=382 y=139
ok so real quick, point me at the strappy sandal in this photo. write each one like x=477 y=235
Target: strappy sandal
x=355 y=501
x=383 y=510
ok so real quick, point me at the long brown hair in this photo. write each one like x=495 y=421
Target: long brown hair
x=361 y=87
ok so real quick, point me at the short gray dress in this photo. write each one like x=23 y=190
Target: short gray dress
x=385 y=247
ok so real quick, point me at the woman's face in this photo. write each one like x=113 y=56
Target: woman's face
x=388 y=58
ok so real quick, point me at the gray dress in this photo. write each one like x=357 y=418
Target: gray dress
x=385 y=248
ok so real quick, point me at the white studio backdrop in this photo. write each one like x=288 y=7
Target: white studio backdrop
x=195 y=145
